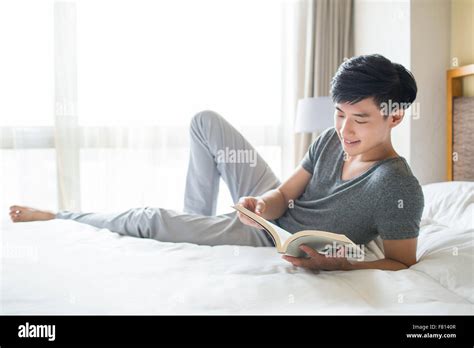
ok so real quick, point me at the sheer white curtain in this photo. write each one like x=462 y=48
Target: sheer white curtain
x=27 y=153
x=318 y=36
x=98 y=96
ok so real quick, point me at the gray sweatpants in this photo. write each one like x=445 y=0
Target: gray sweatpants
x=215 y=150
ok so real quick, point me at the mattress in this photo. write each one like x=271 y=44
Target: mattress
x=65 y=267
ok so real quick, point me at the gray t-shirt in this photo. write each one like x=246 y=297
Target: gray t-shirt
x=386 y=200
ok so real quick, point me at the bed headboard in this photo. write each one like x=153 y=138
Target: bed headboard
x=459 y=127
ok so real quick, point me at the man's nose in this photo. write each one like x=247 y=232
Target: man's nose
x=346 y=128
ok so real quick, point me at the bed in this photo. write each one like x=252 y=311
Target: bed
x=65 y=267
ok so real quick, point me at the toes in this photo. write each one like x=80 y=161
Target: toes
x=15 y=208
x=15 y=217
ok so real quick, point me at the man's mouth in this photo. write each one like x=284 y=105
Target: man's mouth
x=351 y=142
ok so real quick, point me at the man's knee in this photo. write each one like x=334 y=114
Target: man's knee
x=205 y=119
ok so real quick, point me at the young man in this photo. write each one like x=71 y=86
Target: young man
x=351 y=180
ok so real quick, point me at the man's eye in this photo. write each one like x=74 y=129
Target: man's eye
x=342 y=116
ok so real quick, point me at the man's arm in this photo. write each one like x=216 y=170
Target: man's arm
x=277 y=200
x=399 y=254
x=383 y=264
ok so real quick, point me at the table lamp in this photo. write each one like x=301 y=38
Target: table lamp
x=314 y=115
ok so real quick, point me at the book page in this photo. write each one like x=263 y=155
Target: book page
x=322 y=242
x=318 y=243
x=336 y=236
x=281 y=234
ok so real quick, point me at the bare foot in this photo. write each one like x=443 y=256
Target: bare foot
x=19 y=213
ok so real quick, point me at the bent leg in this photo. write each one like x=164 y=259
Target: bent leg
x=171 y=226
x=213 y=143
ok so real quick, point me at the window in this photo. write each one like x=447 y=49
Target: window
x=144 y=68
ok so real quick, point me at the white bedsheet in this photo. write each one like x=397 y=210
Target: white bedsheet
x=64 y=267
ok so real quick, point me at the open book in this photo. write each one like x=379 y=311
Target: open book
x=322 y=241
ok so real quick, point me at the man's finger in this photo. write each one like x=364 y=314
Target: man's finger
x=290 y=259
x=299 y=261
x=310 y=251
x=247 y=221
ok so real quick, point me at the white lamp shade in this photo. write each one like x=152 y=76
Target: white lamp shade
x=314 y=114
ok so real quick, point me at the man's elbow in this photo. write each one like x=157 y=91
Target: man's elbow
x=405 y=264
x=409 y=264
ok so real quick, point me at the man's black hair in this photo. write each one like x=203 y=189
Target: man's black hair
x=373 y=76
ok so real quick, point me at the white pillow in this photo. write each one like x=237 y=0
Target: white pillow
x=446 y=248
x=449 y=203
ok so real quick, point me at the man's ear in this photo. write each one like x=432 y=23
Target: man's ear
x=396 y=117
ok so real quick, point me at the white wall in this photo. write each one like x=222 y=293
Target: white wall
x=414 y=33
x=430 y=58
x=384 y=27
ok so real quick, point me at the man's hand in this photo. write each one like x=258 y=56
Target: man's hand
x=317 y=261
x=256 y=205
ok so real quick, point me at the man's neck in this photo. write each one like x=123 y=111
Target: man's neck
x=376 y=154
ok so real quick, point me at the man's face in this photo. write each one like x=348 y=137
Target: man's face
x=363 y=124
